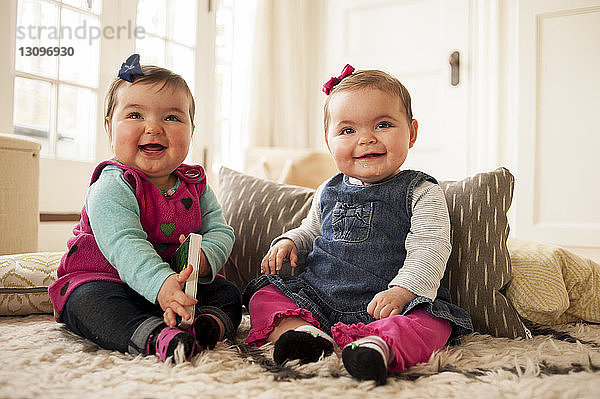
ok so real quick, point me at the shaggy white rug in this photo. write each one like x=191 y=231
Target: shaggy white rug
x=39 y=358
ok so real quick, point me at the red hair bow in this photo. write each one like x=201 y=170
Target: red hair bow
x=347 y=71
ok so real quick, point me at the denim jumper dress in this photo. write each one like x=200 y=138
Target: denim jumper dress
x=361 y=249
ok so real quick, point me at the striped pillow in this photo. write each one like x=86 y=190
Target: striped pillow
x=552 y=285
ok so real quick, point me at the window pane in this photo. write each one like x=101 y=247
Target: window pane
x=182 y=21
x=78 y=31
x=180 y=59
x=76 y=122
x=151 y=15
x=151 y=50
x=37 y=25
x=94 y=6
x=33 y=99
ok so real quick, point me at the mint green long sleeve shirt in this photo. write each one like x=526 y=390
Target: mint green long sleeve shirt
x=114 y=216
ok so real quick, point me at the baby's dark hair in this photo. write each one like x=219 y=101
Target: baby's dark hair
x=152 y=74
x=373 y=79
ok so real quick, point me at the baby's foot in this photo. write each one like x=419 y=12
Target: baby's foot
x=207 y=331
x=172 y=342
x=367 y=359
x=306 y=343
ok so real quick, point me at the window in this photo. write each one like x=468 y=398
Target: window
x=55 y=98
x=170 y=35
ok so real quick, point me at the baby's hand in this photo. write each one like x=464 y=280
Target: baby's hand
x=389 y=302
x=283 y=249
x=172 y=299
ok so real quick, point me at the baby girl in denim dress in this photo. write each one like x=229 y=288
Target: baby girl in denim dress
x=374 y=247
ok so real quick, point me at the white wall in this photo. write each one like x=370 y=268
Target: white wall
x=63 y=185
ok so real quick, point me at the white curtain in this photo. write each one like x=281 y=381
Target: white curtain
x=285 y=101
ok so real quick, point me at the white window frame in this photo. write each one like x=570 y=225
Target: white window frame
x=55 y=82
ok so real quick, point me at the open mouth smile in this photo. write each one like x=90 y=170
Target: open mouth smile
x=152 y=148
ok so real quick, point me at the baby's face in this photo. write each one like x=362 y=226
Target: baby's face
x=369 y=134
x=151 y=129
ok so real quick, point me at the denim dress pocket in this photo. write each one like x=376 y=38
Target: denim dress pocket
x=351 y=222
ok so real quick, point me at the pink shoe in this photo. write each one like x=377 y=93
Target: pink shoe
x=166 y=343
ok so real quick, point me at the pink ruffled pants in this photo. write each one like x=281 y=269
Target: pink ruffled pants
x=412 y=337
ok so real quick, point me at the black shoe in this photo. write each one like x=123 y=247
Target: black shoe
x=207 y=331
x=365 y=363
x=300 y=345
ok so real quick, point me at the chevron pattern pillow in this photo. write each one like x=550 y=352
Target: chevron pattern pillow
x=478 y=270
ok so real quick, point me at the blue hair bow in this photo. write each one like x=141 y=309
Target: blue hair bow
x=131 y=68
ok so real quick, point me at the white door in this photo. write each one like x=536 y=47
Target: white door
x=556 y=125
x=413 y=40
